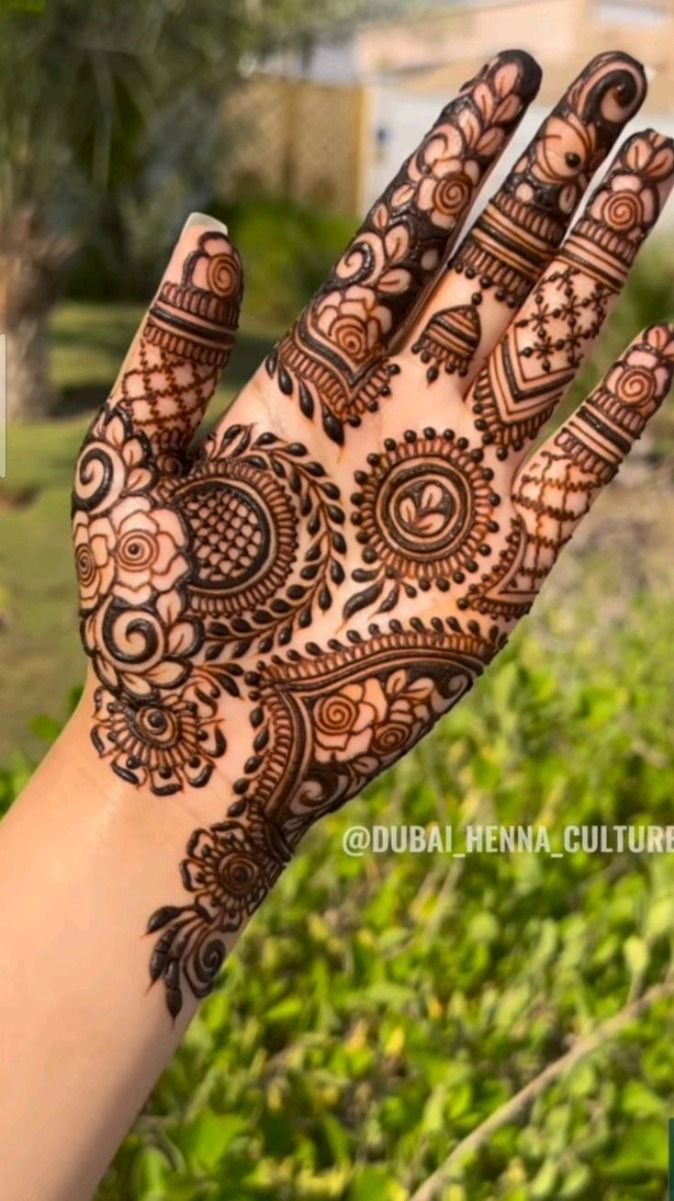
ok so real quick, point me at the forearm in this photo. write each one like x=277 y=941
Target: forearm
x=84 y=860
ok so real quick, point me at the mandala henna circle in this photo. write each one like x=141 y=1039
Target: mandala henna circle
x=166 y=741
x=424 y=514
x=243 y=533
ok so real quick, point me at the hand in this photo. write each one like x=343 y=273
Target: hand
x=289 y=609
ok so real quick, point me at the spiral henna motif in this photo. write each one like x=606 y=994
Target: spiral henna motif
x=197 y=318
x=533 y=365
x=333 y=361
x=230 y=869
x=599 y=435
x=208 y=568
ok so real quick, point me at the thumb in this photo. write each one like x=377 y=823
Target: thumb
x=183 y=343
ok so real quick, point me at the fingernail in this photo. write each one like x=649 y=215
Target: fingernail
x=204 y=222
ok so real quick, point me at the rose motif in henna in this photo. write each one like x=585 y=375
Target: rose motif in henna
x=181 y=571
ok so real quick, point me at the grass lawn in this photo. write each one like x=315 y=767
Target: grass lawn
x=39 y=643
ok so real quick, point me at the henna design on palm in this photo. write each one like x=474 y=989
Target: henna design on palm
x=327 y=722
x=279 y=620
x=424 y=514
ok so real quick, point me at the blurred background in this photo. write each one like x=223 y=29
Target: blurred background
x=392 y=1028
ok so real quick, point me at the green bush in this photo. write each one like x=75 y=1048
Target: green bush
x=287 y=251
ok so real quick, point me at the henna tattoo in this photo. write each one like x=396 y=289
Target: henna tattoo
x=516 y=235
x=424 y=514
x=168 y=742
x=181 y=572
x=533 y=364
x=185 y=342
x=230 y=868
x=243 y=502
x=598 y=436
x=531 y=368
x=132 y=561
x=333 y=359
x=324 y=723
x=199 y=573
x=201 y=567
x=557 y=488
x=449 y=341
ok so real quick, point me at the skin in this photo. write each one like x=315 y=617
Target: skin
x=278 y=615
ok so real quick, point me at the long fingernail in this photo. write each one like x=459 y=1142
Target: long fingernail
x=204 y=221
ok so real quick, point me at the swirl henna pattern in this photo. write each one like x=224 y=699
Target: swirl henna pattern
x=289 y=620
x=333 y=359
x=327 y=721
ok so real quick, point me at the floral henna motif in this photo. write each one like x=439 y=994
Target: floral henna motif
x=534 y=363
x=190 y=563
x=425 y=515
x=238 y=554
x=182 y=570
x=517 y=234
x=229 y=868
x=131 y=554
x=598 y=436
x=167 y=742
x=324 y=725
x=333 y=360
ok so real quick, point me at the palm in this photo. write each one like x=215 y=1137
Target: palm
x=353 y=543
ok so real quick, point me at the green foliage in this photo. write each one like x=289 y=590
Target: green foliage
x=287 y=253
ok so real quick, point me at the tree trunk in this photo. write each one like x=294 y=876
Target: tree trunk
x=31 y=267
x=29 y=391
